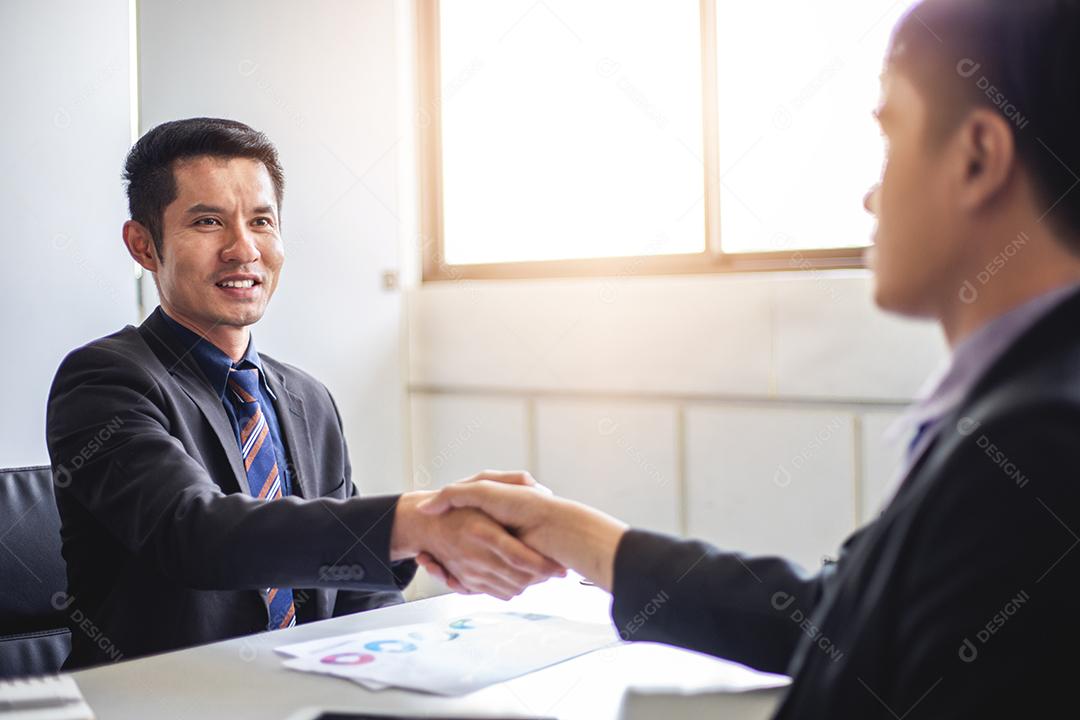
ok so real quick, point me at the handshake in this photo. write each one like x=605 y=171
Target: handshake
x=500 y=532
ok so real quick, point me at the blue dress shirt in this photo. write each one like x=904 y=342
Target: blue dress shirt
x=215 y=365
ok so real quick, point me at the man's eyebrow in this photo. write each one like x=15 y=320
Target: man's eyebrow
x=204 y=208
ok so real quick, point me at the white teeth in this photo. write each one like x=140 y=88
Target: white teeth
x=237 y=283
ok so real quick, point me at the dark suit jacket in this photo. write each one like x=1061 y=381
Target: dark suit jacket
x=158 y=524
x=959 y=601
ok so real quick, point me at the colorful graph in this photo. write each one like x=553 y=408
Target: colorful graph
x=390 y=646
x=349 y=658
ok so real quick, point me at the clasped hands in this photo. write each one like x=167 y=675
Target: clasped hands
x=500 y=532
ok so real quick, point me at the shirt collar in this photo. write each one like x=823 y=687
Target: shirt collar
x=214 y=363
x=971 y=359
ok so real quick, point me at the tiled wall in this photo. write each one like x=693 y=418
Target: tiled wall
x=748 y=410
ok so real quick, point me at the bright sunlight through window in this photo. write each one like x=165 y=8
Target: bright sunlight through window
x=576 y=129
x=797 y=85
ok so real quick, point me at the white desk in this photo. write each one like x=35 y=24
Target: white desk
x=243 y=678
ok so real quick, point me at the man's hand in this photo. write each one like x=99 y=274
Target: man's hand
x=571 y=534
x=479 y=554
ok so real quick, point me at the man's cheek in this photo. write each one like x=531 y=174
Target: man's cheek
x=276 y=256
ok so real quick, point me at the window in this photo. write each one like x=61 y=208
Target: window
x=616 y=137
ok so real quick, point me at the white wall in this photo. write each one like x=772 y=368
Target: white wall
x=747 y=410
x=320 y=80
x=65 y=277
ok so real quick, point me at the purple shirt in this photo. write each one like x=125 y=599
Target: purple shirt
x=971 y=359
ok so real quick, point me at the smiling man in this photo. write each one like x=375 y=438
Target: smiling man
x=205 y=489
x=960 y=599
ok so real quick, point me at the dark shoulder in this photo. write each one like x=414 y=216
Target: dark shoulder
x=115 y=373
x=1012 y=445
x=1041 y=368
x=1013 y=439
x=1043 y=393
x=124 y=349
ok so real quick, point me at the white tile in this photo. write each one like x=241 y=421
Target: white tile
x=620 y=457
x=831 y=341
x=771 y=481
x=881 y=461
x=456 y=436
x=811 y=335
x=678 y=335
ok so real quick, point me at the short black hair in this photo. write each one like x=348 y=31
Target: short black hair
x=148 y=171
x=1017 y=57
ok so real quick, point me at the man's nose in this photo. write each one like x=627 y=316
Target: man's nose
x=242 y=247
x=870 y=200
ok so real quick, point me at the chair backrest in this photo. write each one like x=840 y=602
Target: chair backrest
x=34 y=638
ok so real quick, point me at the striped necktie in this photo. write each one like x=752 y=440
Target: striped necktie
x=263 y=475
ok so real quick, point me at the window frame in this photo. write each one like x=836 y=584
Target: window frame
x=711 y=260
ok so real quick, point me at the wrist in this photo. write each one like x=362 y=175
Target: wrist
x=409 y=526
x=588 y=539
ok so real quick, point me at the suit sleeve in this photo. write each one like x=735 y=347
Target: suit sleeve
x=112 y=454
x=351 y=601
x=693 y=595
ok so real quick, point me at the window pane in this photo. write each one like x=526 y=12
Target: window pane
x=799 y=148
x=571 y=129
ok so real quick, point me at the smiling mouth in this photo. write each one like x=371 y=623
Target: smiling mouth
x=238 y=284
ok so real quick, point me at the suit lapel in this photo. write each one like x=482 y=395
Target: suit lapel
x=294 y=427
x=288 y=405
x=198 y=389
x=182 y=367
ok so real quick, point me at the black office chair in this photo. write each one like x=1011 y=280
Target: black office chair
x=34 y=638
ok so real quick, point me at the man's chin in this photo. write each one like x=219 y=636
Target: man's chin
x=870 y=257
x=888 y=291
x=882 y=298
x=242 y=317
x=900 y=297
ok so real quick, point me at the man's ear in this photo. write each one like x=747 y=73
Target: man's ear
x=140 y=245
x=987 y=151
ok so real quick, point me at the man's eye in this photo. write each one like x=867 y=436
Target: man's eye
x=262 y=221
x=207 y=221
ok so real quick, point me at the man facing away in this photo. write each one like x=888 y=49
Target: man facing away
x=205 y=489
x=960 y=599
